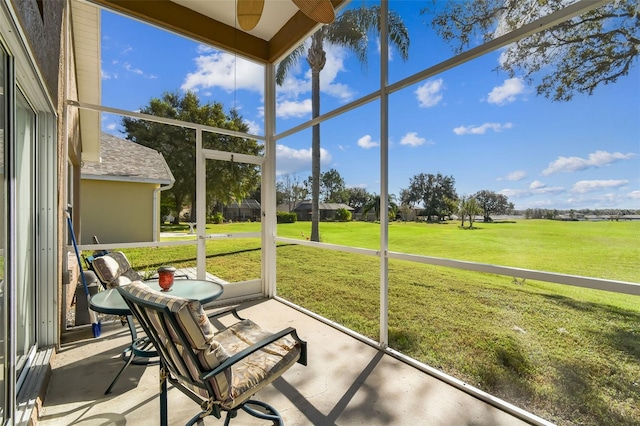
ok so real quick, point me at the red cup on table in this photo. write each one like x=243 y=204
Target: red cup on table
x=165 y=277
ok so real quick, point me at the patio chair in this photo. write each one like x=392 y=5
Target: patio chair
x=113 y=269
x=219 y=369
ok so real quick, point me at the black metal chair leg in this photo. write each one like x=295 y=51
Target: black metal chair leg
x=163 y=396
x=271 y=413
x=131 y=356
x=140 y=347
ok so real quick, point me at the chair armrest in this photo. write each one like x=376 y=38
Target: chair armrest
x=231 y=310
x=256 y=347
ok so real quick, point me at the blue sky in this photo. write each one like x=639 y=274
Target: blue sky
x=478 y=125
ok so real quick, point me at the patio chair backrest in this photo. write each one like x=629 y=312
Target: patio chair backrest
x=224 y=367
x=113 y=269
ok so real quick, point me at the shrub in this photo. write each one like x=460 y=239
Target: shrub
x=284 y=217
x=343 y=215
x=217 y=218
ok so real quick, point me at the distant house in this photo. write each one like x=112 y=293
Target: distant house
x=303 y=209
x=248 y=210
x=121 y=193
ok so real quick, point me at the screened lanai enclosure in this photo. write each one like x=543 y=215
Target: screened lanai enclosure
x=394 y=114
x=492 y=95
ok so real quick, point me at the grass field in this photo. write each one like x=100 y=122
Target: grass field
x=568 y=354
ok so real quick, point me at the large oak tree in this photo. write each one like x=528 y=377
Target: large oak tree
x=574 y=57
x=437 y=194
x=226 y=182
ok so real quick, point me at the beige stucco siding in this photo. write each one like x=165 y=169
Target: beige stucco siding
x=116 y=212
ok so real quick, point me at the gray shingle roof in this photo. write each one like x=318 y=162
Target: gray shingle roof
x=306 y=205
x=123 y=160
x=246 y=204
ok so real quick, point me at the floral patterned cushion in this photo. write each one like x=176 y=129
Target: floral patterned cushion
x=258 y=369
x=114 y=269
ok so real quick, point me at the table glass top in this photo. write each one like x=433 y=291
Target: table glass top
x=110 y=301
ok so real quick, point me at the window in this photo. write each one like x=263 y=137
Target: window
x=3 y=203
x=25 y=209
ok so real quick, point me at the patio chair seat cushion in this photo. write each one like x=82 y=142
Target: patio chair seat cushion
x=258 y=369
x=114 y=269
x=238 y=383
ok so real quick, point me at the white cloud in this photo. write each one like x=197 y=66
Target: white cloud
x=286 y=109
x=595 y=185
x=482 y=129
x=390 y=55
x=127 y=66
x=107 y=75
x=112 y=126
x=429 y=94
x=596 y=159
x=515 y=176
x=335 y=64
x=536 y=184
x=201 y=48
x=535 y=188
x=548 y=190
x=412 y=139
x=506 y=93
x=634 y=195
x=292 y=161
x=515 y=193
x=254 y=128
x=366 y=142
x=294 y=86
x=223 y=70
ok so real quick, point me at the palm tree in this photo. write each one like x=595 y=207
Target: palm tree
x=462 y=209
x=351 y=30
x=374 y=204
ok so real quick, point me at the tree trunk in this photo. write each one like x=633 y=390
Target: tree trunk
x=194 y=207
x=316 y=59
x=178 y=207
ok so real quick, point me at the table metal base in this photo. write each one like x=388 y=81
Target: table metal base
x=139 y=352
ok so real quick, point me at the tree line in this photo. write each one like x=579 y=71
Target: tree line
x=431 y=195
x=573 y=214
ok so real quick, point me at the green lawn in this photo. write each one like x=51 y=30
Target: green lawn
x=568 y=354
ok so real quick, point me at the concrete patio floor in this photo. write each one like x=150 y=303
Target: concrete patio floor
x=346 y=382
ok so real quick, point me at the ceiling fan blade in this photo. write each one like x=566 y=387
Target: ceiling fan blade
x=318 y=10
x=249 y=13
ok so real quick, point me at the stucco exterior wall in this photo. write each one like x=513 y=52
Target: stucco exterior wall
x=44 y=26
x=43 y=29
x=116 y=212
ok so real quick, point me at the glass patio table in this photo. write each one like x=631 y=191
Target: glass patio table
x=141 y=349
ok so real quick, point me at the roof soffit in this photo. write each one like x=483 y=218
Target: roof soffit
x=282 y=26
